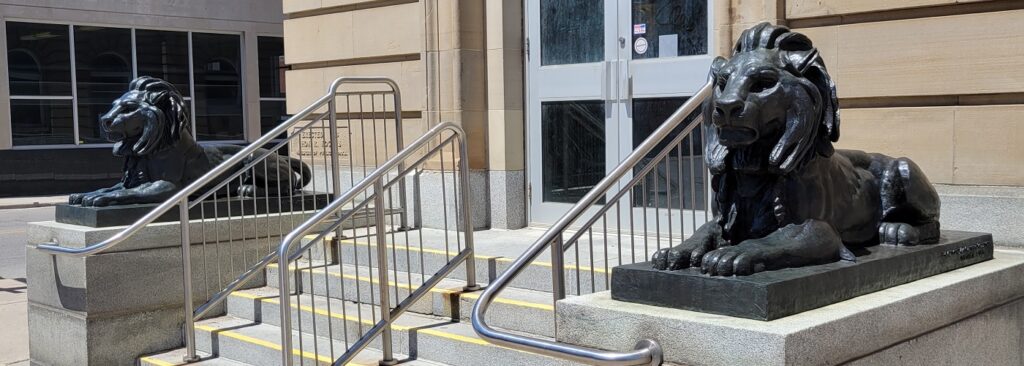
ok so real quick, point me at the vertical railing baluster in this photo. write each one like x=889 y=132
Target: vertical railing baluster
x=382 y=274
x=557 y=269
x=186 y=270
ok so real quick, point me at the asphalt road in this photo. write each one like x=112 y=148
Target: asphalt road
x=13 y=238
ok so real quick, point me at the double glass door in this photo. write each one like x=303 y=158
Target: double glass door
x=601 y=76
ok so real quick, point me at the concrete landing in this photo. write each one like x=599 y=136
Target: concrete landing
x=973 y=315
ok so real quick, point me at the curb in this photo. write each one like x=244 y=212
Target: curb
x=34 y=204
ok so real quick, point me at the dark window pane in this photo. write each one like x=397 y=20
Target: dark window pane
x=671 y=27
x=272 y=113
x=573 y=148
x=163 y=55
x=678 y=180
x=218 y=86
x=271 y=54
x=42 y=122
x=103 y=68
x=571 y=31
x=39 y=59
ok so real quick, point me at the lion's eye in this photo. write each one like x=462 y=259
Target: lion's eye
x=722 y=80
x=762 y=83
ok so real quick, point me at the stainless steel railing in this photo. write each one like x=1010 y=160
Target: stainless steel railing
x=238 y=233
x=370 y=194
x=639 y=178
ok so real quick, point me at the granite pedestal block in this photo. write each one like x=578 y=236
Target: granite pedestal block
x=109 y=308
x=969 y=316
x=774 y=294
x=128 y=214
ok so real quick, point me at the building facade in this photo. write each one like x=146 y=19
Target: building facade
x=555 y=92
x=66 y=60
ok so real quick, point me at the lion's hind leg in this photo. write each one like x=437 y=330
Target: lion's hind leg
x=271 y=177
x=910 y=205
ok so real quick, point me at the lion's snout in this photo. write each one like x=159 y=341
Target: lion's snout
x=107 y=127
x=733 y=126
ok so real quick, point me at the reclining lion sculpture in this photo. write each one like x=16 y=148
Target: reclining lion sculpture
x=783 y=196
x=150 y=128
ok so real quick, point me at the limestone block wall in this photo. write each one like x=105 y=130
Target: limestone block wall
x=454 y=60
x=938 y=81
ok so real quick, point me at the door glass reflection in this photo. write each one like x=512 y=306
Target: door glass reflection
x=669 y=28
x=571 y=31
x=573 y=149
x=678 y=180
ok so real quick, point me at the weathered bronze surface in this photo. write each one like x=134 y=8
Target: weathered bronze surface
x=775 y=294
x=150 y=127
x=783 y=196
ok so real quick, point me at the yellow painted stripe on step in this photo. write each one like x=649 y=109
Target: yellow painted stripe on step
x=568 y=266
x=262 y=343
x=305 y=308
x=359 y=278
x=435 y=290
x=473 y=295
x=413 y=249
x=155 y=362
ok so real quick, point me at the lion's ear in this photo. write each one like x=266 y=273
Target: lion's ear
x=799 y=52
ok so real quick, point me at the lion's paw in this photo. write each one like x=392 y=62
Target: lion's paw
x=898 y=233
x=740 y=260
x=99 y=199
x=678 y=257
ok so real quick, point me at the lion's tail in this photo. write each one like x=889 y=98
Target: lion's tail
x=304 y=170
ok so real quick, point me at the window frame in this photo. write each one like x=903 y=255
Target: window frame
x=263 y=99
x=134 y=68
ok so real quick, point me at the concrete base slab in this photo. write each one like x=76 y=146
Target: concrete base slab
x=972 y=315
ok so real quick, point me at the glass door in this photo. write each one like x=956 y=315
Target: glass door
x=601 y=75
x=667 y=61
x=572 y=128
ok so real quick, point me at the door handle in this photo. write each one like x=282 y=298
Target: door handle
x=606 y=80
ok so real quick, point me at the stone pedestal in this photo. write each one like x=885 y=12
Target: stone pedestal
x=109 y=308
x=969 y=316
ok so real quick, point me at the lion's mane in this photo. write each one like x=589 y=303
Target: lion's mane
x=170 y=122
x=797 y=56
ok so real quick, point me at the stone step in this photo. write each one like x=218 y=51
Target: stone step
x=428 y=337
x=258 y=344
x=431 y=256
x=515 y=309
x=176 y=357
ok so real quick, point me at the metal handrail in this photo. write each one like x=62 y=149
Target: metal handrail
x=201 y=182
x=647 y=352
x=375 y=180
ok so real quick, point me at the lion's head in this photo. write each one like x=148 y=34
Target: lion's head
x=774 y=105
x=147 y=118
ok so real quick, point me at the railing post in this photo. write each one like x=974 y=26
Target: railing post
x=401 y=165
x=382 y=273
x=335 y=163
x=186 y=270
x=557 y=269
x=284 y=301
x=467 y=215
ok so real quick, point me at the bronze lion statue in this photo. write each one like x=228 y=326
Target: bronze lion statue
x=783 y=196
x=150 y=127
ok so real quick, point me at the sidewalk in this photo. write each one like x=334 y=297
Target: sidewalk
x=28 y=202
x=14 y=317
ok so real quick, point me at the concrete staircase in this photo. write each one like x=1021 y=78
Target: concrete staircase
x=434 y=331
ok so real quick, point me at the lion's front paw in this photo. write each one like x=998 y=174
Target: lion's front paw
x=684 y=255
x=75 y=199
x=99 y=199
x=740 y=260
x=898 y=233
